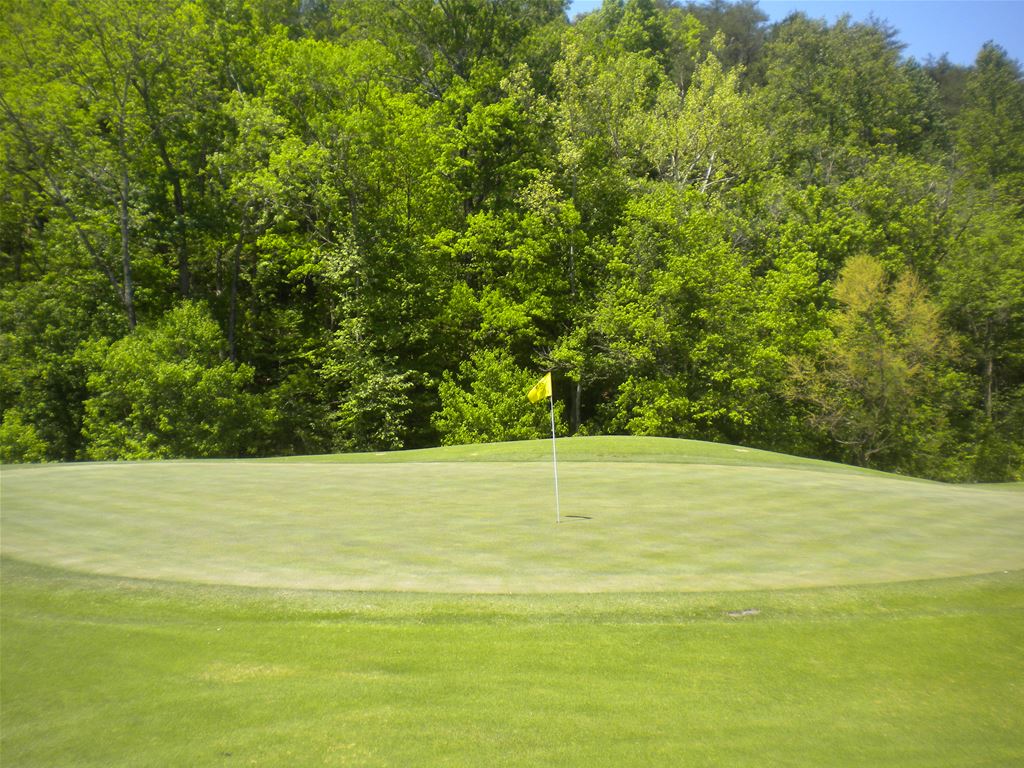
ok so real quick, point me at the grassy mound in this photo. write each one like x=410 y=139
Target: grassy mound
x=639 y=515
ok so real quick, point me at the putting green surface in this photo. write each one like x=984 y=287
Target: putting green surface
x=699 y=605
x=636 y=517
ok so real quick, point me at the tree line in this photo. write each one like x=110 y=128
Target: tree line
x=255 y=227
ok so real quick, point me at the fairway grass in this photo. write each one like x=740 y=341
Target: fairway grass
x=100 y=671
x=699 y=605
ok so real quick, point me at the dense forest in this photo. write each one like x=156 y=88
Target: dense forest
x=258 y=227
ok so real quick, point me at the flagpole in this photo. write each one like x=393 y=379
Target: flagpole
x=554 y=458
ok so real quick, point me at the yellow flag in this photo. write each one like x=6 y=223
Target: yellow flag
x=541 y=389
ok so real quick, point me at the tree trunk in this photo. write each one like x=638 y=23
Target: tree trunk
x=127 y=284
x=577 y=395
x=989 y=379
x=236 y=257
x=573 y=288
x=184 y=271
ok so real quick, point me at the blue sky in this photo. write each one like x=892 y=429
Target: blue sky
x=955 y=27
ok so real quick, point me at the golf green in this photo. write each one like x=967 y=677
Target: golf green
x=490 y=526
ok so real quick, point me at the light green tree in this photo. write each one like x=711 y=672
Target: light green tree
x=706 y=135
x=880 y=386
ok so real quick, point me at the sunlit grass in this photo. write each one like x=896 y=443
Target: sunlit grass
x=99 y=671
x=708 y=606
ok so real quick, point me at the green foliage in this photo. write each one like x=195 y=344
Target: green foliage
x=19 y=442
x=896 y=209
x=706 y=136
x=988 y=126
x=42 y=324
x=658 y=407
x=834 y=93
x=654 y=201
x=373 y=403
x=998 y=455
x=488 y=404
x=674 y=320
x=982 y=293
x=879 y=387
x=167 y=391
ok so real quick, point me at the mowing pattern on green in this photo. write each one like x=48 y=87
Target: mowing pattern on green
x=388 y=523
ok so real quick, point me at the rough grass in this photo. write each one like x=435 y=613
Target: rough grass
x=718 y=607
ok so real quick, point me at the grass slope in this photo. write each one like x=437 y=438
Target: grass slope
x=114 y=652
